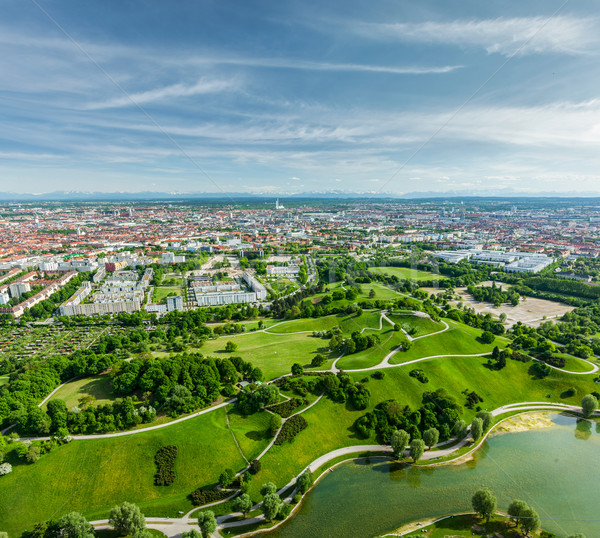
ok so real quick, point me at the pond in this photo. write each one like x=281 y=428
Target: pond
x=556 y=470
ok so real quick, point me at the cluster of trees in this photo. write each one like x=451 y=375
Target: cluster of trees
x=494 y=294
x=439 y=411
x=480 y=321
x=355 y=344
x=165 y=465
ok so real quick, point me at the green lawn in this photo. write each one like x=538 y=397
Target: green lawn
x=161 y=293
x=274 y=354
x=251 y=432
x=97 y=386
x=3 y=380
x=93 y=476
x=573 y=364
x=458 y=340
x=421 y=326
x=462 y=526
x=405 y=273
x=349 y=324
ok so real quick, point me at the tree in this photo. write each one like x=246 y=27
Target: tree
x=127 y=519
x=372 y=294
x=243 y=504
x=191 y=534
x=515 y=511
x=484 y=503
x=304 y=481
x=400 y=439
x=589 y=404
x=297 y=368
x=74 y=525
x=270 y=505
x=33 y=454
x=487 y=337
x=476 y=429
x=207 y=522
x=487 y=419
x=269 y=487
x=417 y=447
x=230 y=346
x=274 y=424
x=255 y=466
x=226 y=477
x=318 y=360
x=530 y=520
x=431 y=437
x=460 y=429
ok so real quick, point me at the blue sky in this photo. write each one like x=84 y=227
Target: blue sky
x=284 y=97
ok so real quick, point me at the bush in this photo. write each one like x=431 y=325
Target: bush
x=5 y=468
x=165 y=465
x=378 y=375
x=226 y=477
x=420 y=375
x=204 y=496
x=285 y=409
x=290 y=429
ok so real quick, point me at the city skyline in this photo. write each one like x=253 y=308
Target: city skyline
x=299 y=97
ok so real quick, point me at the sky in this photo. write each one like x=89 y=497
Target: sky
x=288 y=97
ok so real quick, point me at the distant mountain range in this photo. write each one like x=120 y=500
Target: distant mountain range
x=78 y=196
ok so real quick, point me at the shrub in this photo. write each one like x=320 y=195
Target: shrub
x=290 y=429
x=204 y=496
x=285 y=409
x=255 y=466
x=378 y=375
x=420 y=375
x=165 y=465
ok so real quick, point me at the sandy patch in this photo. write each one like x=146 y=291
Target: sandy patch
x=523 y=423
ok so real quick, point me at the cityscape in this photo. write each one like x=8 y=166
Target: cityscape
x=299 y=269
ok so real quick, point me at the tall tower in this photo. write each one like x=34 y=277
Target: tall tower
x=277 y=203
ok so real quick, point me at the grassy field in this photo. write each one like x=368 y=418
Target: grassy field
x=573 y=364
x=273 y=354
x=421 y=326
x=348 y=324
x=161 y=293
x=93 y=476
x=97 y=386
x=457 y=526
x=458 y=340
x=3 y=380
x=251 y=432
x=405 y=273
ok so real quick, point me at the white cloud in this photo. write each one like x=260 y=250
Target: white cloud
x=295 y=178
x=564 y=34
x=203 y=86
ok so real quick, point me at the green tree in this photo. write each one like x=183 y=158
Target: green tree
x=74 y=525
x=431 y=437
x=530 y=521
x=226 y=477
x=318 y=360
x=127 y=519
x=243 y=504
x=274 y=424
x=515 y=511
x=484 y=503
x=207 y=522
x=400 y=439
x=460 y=429
x=191 y=534
x=304 y=481
x=230 y=346
x=417 y=447
x=487 y=337
x=33 y=454
x=270 y=505
x=487 y=419
x=297 y=368
x=476 y=429
x=269 y=487
x=589 y=404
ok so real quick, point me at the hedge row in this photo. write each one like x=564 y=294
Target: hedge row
x=204 y=496
x=290 y=429
x=165 y=463
x=285 y=409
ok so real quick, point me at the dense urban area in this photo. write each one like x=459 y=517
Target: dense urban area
x=198 y=368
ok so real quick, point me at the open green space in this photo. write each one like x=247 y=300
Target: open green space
x=405 y=273
x=92 y=476
x=160 y=293
x=573 y=364
x=3 y=380
x=415 y=325
x=251 y=432
x=459 y=339
x=348 y=324
x=98 y=387
x=462 y=525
